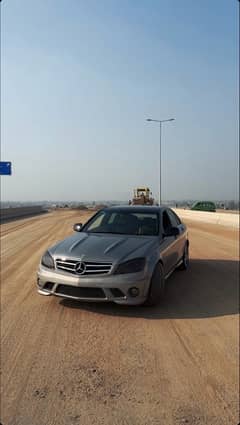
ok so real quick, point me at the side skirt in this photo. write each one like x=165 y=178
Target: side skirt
x=174 y=268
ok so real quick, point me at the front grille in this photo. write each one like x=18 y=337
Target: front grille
x=86 y=268
x=80 y=292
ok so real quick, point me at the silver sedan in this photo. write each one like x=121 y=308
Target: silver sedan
x=122 y=254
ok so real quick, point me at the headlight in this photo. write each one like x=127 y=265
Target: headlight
x=47 y=260
x=131 y=266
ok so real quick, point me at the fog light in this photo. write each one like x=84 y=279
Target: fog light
x=133 y=292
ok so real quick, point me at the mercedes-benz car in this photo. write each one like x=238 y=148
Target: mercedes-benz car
x=121 y=254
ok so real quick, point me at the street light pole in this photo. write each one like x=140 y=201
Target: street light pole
x=160 y=164
x=160 y=154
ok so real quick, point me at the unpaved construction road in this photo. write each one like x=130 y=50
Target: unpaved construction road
x=69 y=363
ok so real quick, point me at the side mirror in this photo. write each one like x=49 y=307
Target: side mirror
x=77 y=227
x=173 y=231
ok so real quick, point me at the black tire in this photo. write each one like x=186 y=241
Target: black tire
x=157 y=286
x=185 y=258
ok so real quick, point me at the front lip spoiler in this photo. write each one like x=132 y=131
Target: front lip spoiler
x=83 y=299
x=42 y=292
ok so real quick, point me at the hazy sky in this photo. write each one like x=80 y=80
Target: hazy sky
x=79 y=78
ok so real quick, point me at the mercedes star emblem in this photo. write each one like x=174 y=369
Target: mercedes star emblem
x=80 y=268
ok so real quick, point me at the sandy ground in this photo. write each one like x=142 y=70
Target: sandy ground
x=68 y=363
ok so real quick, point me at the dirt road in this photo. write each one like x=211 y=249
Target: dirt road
x=66 y=363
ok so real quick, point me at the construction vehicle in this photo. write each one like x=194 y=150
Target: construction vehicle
x=142 y=196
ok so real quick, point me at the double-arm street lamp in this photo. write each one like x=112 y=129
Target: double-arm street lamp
x=160 y=164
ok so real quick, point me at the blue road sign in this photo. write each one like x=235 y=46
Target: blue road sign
x=5 y=168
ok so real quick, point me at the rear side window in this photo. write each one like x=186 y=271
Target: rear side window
x=174 y=218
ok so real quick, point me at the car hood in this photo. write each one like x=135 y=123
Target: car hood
x=103 y=247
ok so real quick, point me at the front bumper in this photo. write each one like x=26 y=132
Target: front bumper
x=115 y=288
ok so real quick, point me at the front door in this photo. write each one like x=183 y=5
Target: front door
x=169 y=244
x=181 y=238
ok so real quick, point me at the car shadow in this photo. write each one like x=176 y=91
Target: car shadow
x=209 y=288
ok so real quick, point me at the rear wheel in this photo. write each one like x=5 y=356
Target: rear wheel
x=157 y=286
x=185 y=258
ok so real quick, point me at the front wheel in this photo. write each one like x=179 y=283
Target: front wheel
x=157 y=286
x=185 y=258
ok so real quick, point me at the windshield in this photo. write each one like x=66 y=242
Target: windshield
x=125 y=223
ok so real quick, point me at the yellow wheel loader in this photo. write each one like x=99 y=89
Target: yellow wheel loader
x=142 y=196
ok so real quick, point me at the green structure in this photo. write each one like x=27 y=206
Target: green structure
x=204 y=206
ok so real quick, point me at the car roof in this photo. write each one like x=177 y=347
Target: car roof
x=136 y=209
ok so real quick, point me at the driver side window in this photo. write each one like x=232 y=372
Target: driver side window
x=173 y=218
x=96 y=223
x=166 y=223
